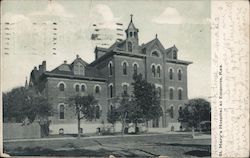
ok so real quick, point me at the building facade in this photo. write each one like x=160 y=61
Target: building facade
x=110 y=74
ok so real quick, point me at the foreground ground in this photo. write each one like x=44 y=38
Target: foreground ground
x=147 y=145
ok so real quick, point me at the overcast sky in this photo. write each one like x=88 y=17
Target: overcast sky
x=181 y=23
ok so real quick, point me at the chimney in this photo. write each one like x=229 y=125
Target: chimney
x=44 y=66
x=77 y=56
x=65 y=61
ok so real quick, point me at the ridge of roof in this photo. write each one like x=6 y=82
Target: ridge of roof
x=78 y=58
x=152 y=41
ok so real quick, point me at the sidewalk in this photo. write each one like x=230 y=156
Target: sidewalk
x=87 y=137
x=197 y=136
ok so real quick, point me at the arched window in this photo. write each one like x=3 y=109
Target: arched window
x=110 y=69
x=171 y=74
x=180 y=94
x=179 y=75
x=61 y=87
x=130 y=47
x=135 y=34
x=61 y=110
x=111 y=91
x=135 y=69
x=172 y=112
x=131 y=34
x=83 y=88
x=125 y=89
x=77 y=88
x=174 y=54
x=158 y=71
x=171 y=93
x=97 y=89
x=97 y=112
x=153 y=71
x=155 y=54
x=124 y=65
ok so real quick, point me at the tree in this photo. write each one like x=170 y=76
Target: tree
x=147 y=99
x=85 y=109
x=24 y=105
x=128 y=111
x=194 y=112
x=113 y=116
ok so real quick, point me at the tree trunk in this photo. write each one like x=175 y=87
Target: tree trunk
x=147 y=125
x=193 y=132
x=78 y=125
x=123 y=123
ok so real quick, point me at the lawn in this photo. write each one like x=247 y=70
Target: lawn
x=172 y=145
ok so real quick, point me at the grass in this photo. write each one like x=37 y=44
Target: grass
x=172 y=145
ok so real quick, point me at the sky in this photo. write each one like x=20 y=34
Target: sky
x=184 y=24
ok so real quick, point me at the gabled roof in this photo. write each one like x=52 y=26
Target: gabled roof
x=153 y=42
x=66 y=70
x=171 y=48
x=79 y=60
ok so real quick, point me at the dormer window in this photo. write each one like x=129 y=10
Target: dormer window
x=79 y=69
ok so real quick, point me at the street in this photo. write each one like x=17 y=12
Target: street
x=147 y=145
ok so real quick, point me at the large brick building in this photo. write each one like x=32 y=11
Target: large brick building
x=110 y=74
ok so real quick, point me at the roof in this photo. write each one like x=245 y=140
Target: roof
x=178 y=61
x=66 y=70
x=152 y=42
x=70 y=76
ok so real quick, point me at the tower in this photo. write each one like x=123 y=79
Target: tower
x=132 y=36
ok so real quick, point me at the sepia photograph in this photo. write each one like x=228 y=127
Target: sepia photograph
x=92 y=78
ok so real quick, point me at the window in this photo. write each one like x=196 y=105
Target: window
x=174 y=54
x=83 y=88
x=179 y=75
x=135 y=34
x=155 y=54
x=171 y=93
x=171 y=74
x=124 y=68
x=129 y=46
x=110 y=69
x=153 y=71
x=158 y=71
x=111 y=91
x=135 y=69
x=131 y=34
x=97 y=112
x=180 y=94
x=125 y=89
x=61 y=110
x=172 y=112
x=61 y=87
x=77 y=88
x=79 y=69
x=97 y=89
